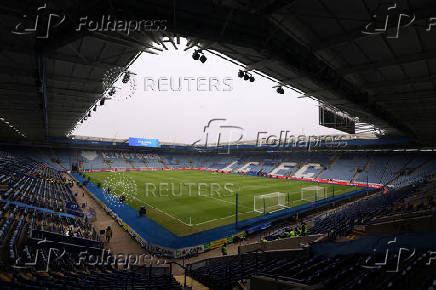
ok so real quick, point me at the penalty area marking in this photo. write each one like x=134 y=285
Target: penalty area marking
x=201 y=223
x=186 y=224
x=226 y=217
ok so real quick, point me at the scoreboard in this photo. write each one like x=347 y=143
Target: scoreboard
x=140 y=142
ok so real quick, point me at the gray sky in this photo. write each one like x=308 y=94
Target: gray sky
x=180 y=116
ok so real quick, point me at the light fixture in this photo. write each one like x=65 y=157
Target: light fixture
x=126 y=77
x=280 y=90
x=112 y=91
x=199 y=55
x=102 y=102
x=89 y=114
x=196 y=54
x=246 y=75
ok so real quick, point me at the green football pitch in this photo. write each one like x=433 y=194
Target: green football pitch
x=190 y=201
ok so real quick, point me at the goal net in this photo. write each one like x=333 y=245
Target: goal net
x=270 y=202
x=313 y=193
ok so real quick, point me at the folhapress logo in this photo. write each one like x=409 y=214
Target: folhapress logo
x=40 y=25
x=221 y=137
x=44 y=22
x=389 y=19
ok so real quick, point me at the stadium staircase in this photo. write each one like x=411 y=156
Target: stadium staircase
x=127 y=161
x=421 y=166
x=401 y=171
x=325 y=168
x=332 y=163
x=355 y=175
x=104 y=161
x=46 y=156
x=190 y=282
x=56 y=158
x=321 y=172
x=334 y=160
x=365 y=168
x=161 y=161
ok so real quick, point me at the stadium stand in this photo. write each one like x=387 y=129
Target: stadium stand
x=339 y=272
x=368 y=70
x=35 y=206
x=34 y=212
x=345 y=167
x=384 y=169
x=115 y=159
x=91 y=160
x=299 y=267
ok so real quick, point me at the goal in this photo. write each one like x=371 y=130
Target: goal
x=313 y=193
x=270 y=202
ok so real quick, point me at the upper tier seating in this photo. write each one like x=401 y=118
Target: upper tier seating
x=345 y=168
x=394 y=169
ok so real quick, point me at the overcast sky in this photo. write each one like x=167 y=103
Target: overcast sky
x=179 y=114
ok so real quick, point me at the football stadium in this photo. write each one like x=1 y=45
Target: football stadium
x=218 y=144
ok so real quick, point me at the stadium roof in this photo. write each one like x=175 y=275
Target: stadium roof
x=329 y=50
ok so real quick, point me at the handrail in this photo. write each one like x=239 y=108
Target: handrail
x=186 y=268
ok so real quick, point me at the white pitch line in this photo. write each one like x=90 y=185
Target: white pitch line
x=226 y=217
x=233 y=203
x=158 y=209
x=205 y=222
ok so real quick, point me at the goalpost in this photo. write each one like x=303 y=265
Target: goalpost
x=270 y=202
x=313 y=193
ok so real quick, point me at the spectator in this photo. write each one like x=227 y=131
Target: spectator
x=224 y=249
x=108 y=234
